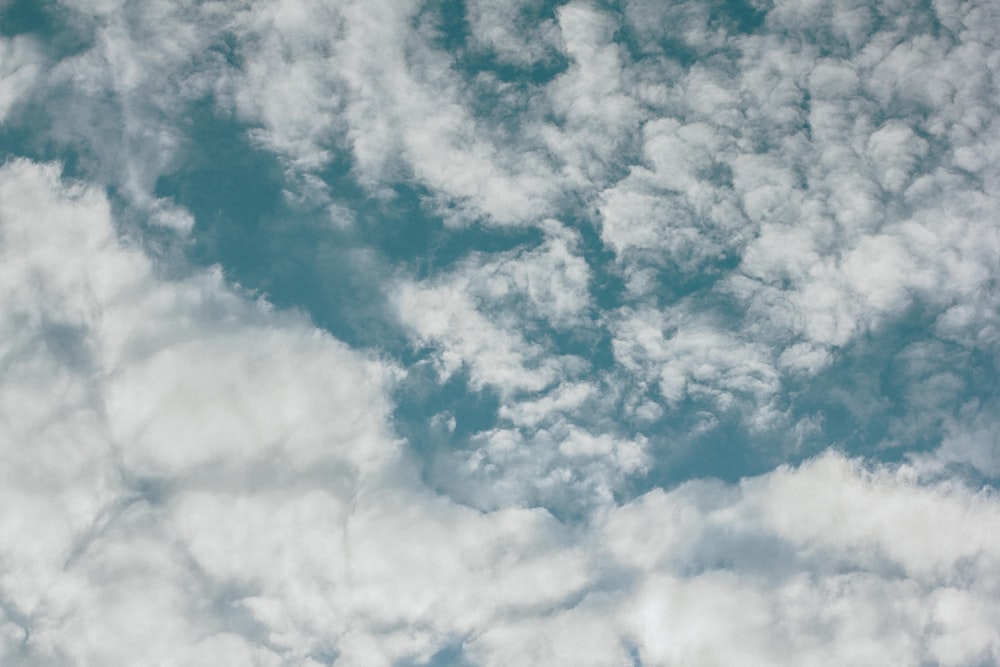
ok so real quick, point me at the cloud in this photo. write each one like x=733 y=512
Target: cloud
x=113 y=382
x=599 y=113
x=710 y=573
x=308 y=538
x=765 y=228
x=506 y=31
x=476 y=315
x=502 y=319
x=109 y=85
x=194 y=477
x=367 y=85
x=145 y=415
x=22 y=60
x=689 y=357
x=815 y=171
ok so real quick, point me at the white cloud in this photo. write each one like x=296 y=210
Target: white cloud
x=193 y=478
x=971 y=439
x=21 y=66
x=833 y=161
x=364 y=81
x=557 y=465
x=113 y=381
x=591 y=97
x=853 y=526
x=286 y=85
x=309 y=536
x=445 y=316
x=823 y=564
x=504 y=29
x=165 y=213
x=494 y=316
x=191 y=465
x=677 y=215
x=567 y=397
x=476 y=316
x=895 y=151
x=113 y=85
x=687 y=355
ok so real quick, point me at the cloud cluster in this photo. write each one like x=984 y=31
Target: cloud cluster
x=769 y=223
x=120 y=389
x=506 y=321
x=192 y=478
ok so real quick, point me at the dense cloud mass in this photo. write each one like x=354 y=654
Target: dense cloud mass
x=521 y=332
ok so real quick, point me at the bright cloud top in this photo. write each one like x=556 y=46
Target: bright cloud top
x=499 y=333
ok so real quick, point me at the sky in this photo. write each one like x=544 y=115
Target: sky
x=390 y=333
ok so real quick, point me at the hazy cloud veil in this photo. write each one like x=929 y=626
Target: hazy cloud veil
x=499 y=332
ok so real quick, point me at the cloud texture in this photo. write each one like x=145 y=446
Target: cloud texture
x=477 y=333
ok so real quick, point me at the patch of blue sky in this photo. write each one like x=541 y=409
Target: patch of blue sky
x=21 y=17
x=408 y=231
x=450 y=655
x=46 y=20
x=871 y=402
x=436 y=416
x=296 y=258
x=889 y=395
x=17 y=140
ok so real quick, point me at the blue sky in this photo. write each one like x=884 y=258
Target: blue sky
x=489 y=333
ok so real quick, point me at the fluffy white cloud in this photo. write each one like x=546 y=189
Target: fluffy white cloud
x=119 y=388
x=476 y=317
x=599 y=114
x=506 y=31
x=689 y=356
x=498 y=317
x=679 y=214
x=192 y=477
x=364 y=81
x=848 y=184
x=710 y=574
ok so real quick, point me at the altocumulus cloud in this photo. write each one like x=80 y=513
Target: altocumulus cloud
x=499 y=333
